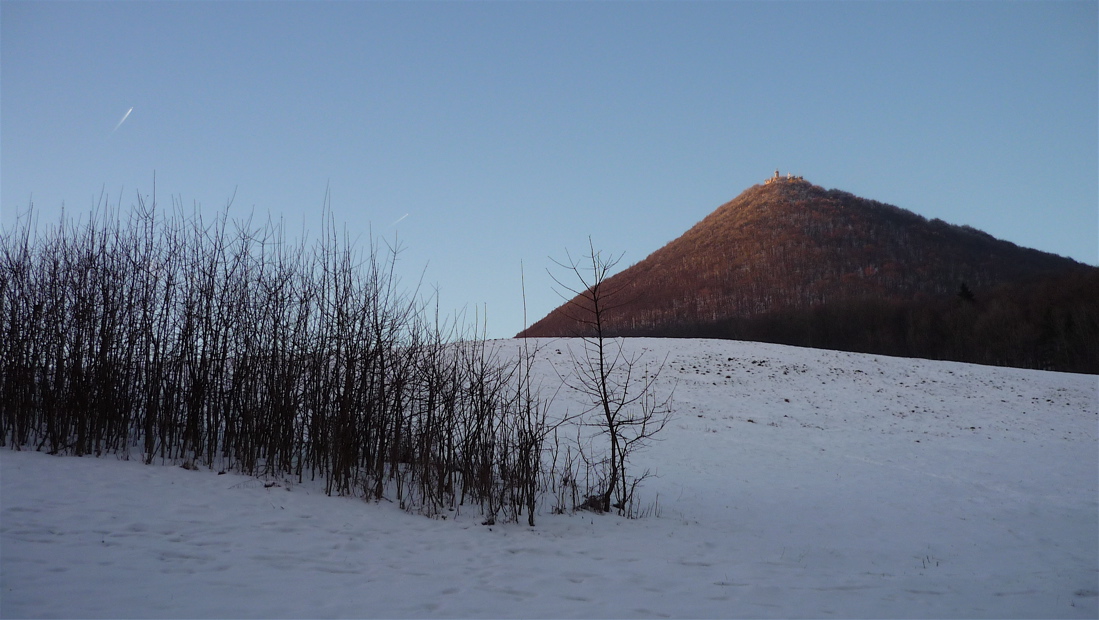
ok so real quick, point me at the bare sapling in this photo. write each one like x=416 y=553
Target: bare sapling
x=626 y=406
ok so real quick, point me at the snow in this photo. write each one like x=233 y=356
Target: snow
x=791 y=483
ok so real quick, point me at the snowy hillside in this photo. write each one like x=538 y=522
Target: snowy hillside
x=791 y=482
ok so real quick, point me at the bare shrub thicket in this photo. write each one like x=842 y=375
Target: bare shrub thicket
x=217 y=343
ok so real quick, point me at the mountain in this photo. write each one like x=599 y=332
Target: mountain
x=790 y=262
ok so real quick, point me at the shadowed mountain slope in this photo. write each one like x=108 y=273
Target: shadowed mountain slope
x=786 y=251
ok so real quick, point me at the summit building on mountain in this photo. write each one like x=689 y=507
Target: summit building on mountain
x=789 y=178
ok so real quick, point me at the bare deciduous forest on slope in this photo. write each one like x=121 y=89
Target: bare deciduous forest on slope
x=792 y=263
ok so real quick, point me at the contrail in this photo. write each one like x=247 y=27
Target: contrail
x=124 y=116
x=399 y=220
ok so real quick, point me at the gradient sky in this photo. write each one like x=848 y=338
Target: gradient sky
x=508 y=132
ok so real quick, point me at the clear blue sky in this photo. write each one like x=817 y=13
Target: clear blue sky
x=508 y=132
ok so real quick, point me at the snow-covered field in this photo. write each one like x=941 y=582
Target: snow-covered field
x=791 y=483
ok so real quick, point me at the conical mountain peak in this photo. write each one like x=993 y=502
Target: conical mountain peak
x=787 y=246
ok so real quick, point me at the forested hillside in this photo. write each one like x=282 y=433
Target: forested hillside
x=793 y=263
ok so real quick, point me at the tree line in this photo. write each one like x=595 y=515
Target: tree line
x=1046 y=324
x=217 y=343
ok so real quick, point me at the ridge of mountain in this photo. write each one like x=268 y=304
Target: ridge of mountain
x=789 y=246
